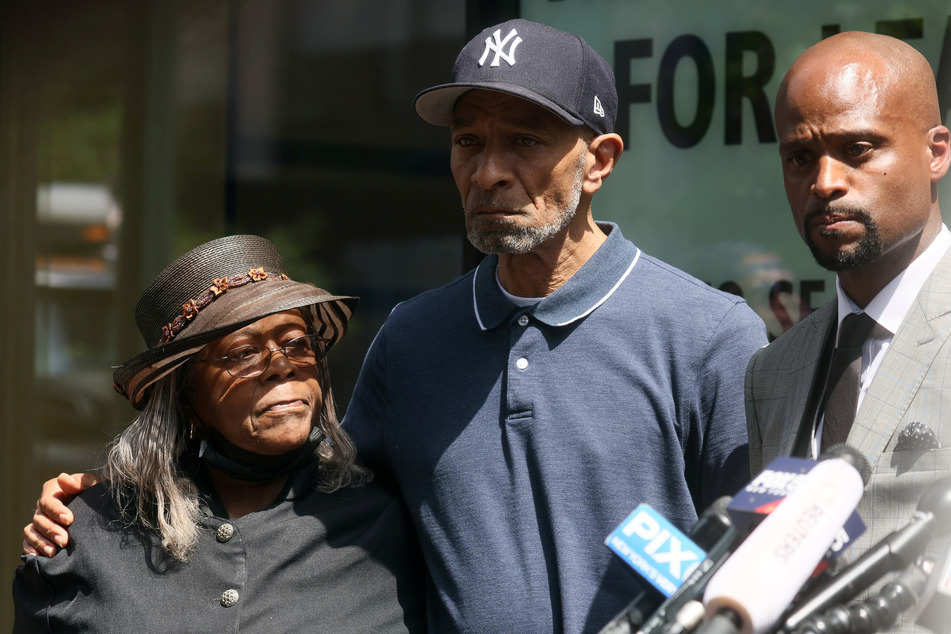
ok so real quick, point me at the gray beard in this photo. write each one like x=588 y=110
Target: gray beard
x=504 y=237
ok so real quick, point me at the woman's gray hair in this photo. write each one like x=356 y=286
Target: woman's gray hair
x=143 y=472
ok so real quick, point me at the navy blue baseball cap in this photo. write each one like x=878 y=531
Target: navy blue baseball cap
x=552 y=68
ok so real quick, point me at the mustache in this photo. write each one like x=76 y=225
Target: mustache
x=839 y=213
x=490 y=203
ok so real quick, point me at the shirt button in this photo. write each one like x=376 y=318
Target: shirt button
x=229 y=598
x=523 y=320
x=521 y=364
x=225 y=532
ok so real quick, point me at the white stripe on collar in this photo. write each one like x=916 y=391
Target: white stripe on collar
x=482 y=326
x=475 y=299
x=637 y=256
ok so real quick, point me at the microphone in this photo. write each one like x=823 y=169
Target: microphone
x=687 y=619
x=682 y=612
x=754 y=586
x=878 y=613
x=633 y=615
x=897 y=550
x=718 y=550
x=771 y=486
x=710 y=530
x=936 y=611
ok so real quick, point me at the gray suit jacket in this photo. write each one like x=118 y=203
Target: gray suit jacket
x=913 y=384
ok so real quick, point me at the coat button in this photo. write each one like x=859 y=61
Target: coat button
x=523 y=320
x=229 y=598
x=225 y=532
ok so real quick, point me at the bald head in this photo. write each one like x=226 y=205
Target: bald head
x=863 y=148
x=878 y=69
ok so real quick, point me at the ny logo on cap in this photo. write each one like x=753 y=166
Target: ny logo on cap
x=498 y=44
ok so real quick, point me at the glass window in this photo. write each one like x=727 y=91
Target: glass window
x=131 y=132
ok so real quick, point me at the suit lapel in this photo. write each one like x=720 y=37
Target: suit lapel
x=905 y=365
x=782 y=385
x=809 y=384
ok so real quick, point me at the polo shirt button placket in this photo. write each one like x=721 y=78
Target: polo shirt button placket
x=519 y=388
x=522 y=363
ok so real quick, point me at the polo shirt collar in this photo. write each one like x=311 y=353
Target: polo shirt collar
x=588 y=288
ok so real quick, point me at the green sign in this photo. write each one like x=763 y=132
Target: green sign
x=700 y=183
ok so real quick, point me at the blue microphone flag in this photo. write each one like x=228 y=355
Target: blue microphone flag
x=655 y=548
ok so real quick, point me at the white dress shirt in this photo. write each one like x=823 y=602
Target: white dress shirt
x=888 y=309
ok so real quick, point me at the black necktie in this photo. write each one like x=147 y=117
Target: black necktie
x=845 y=379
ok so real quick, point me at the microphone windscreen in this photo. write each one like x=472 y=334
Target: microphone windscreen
x=766 y=571
x=853 y=457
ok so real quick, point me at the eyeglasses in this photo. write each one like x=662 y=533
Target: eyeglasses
x=246 y=362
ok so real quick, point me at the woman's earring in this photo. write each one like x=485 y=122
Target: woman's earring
x=191 y=431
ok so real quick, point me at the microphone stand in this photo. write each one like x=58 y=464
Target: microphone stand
x=877 y=613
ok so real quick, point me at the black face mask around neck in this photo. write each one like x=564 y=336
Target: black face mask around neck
x=246 y=465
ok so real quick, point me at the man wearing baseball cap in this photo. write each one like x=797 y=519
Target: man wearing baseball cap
x=527 y=407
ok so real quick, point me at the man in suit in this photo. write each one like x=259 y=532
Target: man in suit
x=863 y=149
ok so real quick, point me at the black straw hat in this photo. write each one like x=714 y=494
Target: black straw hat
x=551 y=68
x=214 y=289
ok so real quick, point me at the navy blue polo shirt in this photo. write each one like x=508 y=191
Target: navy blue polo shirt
x=521 y=436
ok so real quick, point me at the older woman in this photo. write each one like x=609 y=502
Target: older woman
x=233 y=501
